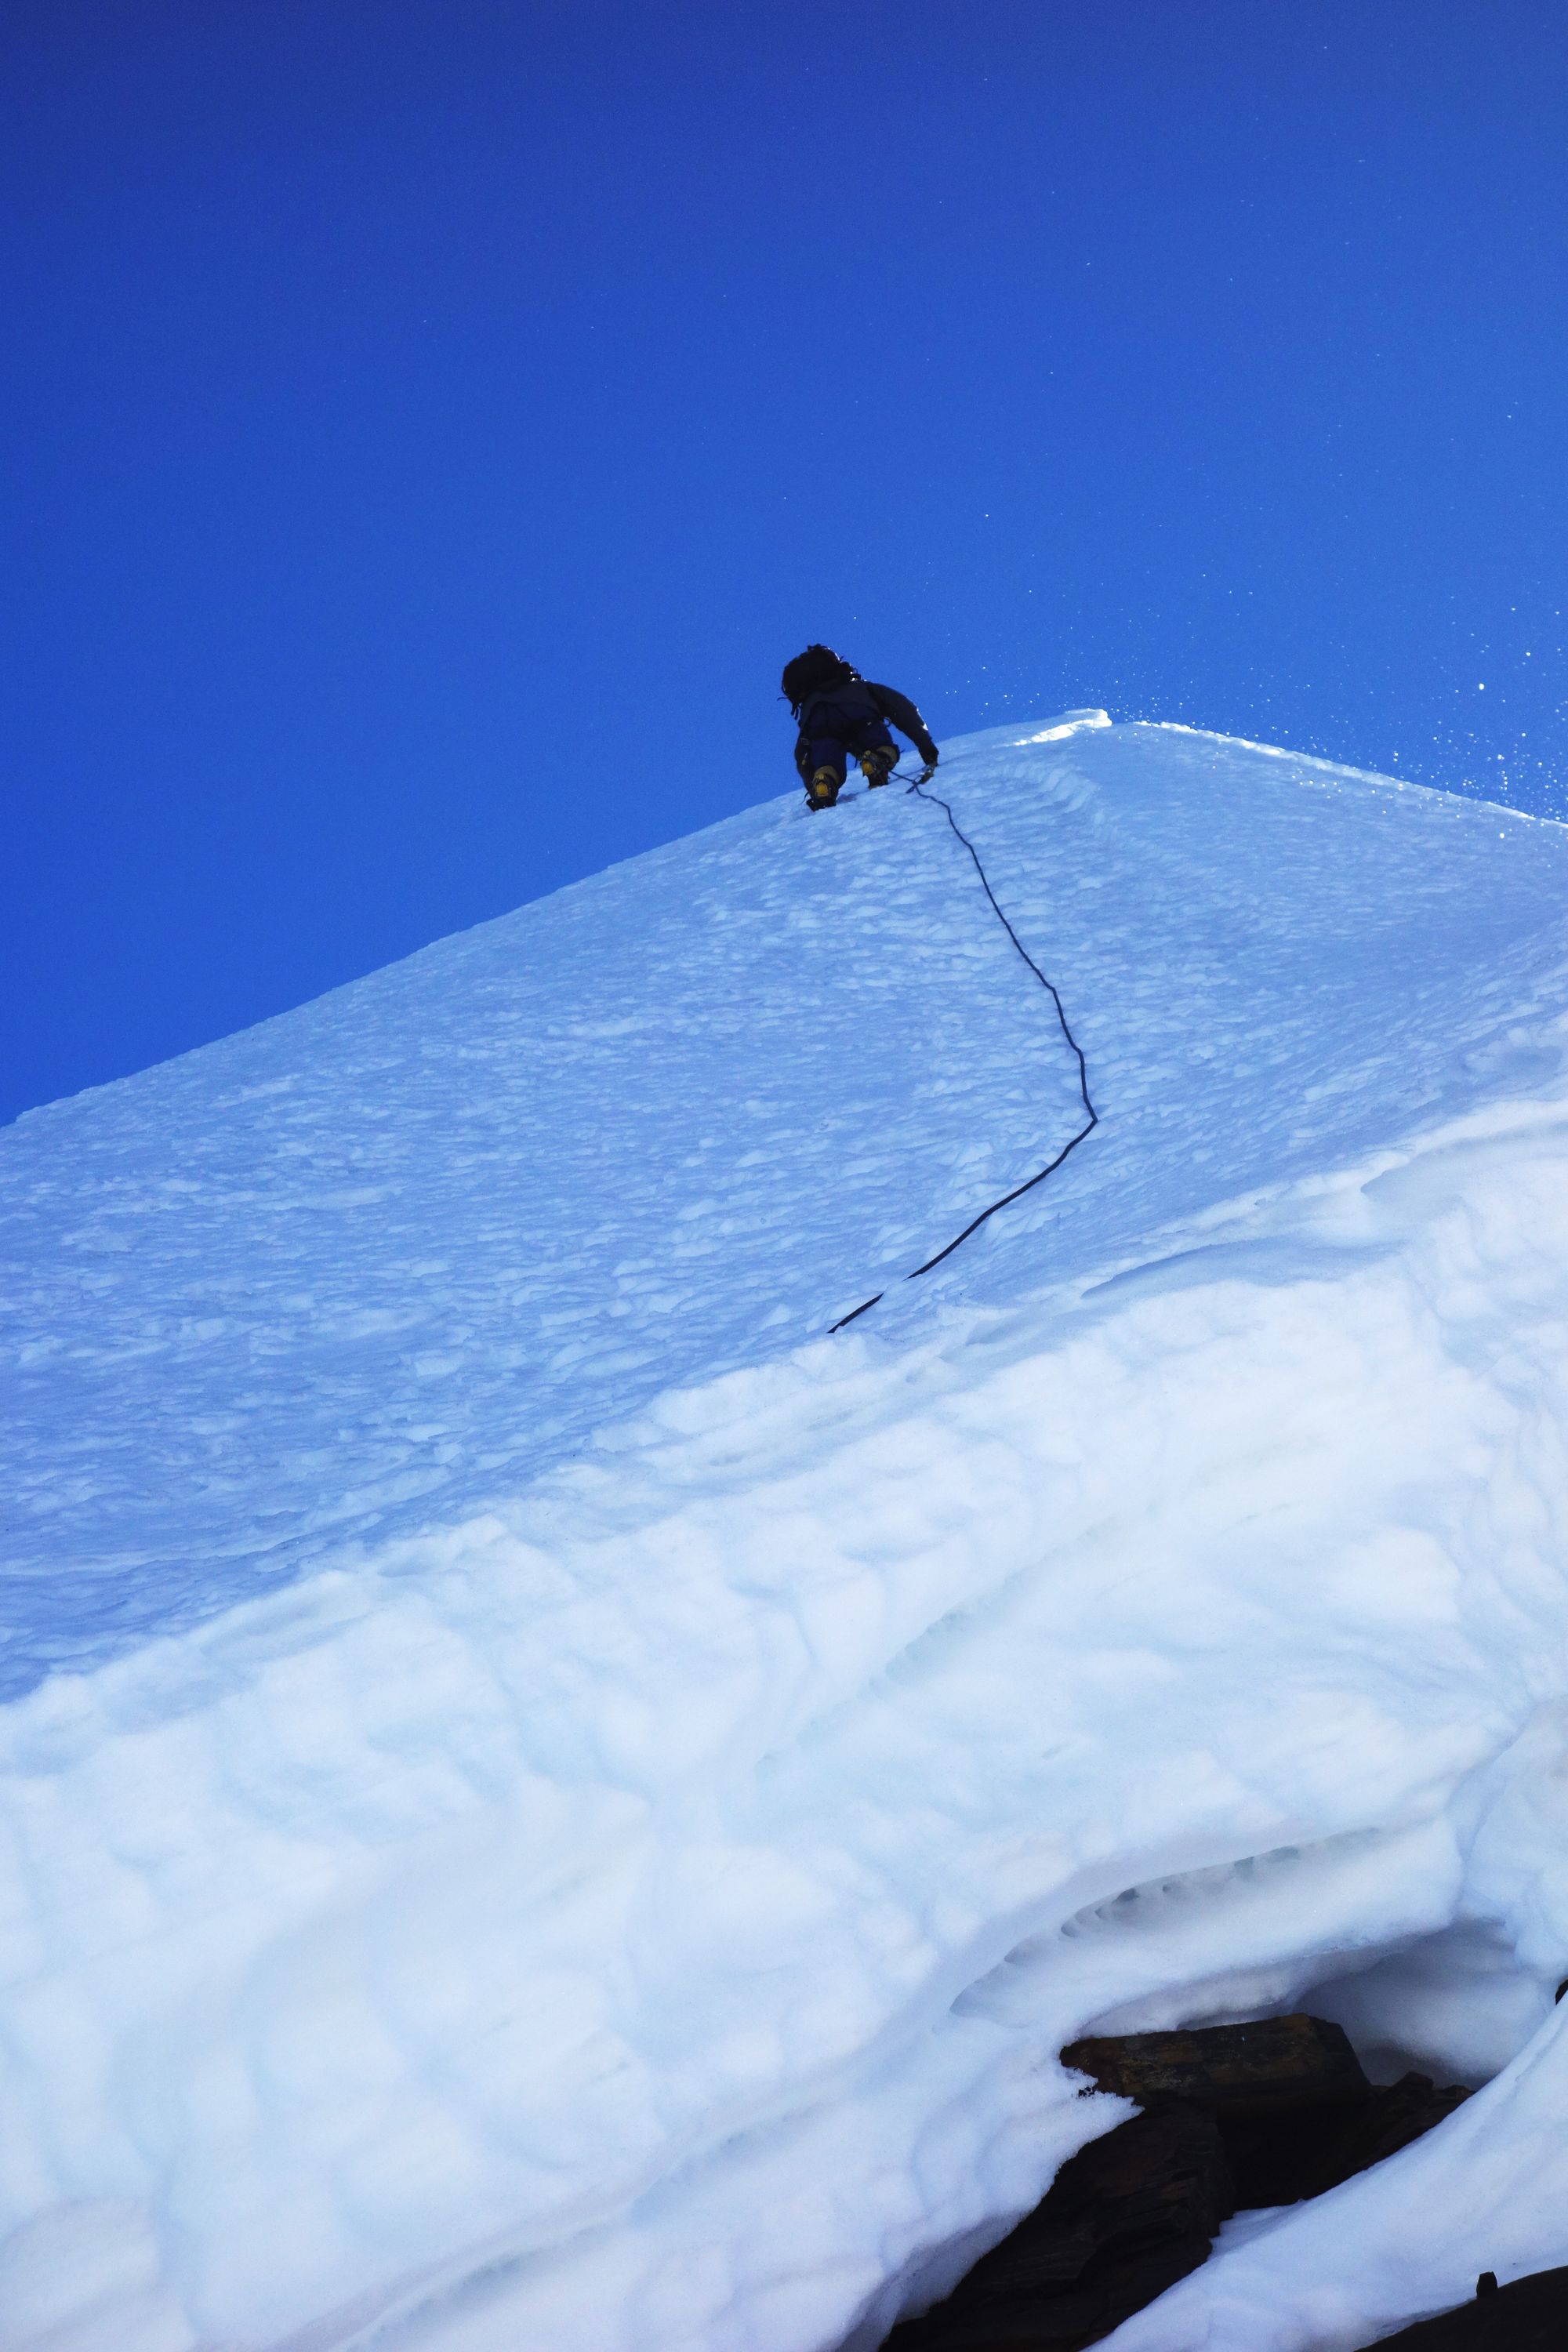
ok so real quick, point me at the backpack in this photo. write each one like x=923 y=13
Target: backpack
x=813 y=672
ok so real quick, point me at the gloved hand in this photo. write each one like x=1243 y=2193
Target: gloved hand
x=927 y=752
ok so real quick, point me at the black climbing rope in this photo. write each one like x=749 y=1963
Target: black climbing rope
x=1051 y=1166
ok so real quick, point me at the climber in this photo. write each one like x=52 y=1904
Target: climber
x=840 y=716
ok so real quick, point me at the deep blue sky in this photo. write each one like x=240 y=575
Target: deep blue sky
x=430 y=424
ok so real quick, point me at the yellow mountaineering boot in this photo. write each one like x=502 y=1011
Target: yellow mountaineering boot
x=823 y=789
x=877 y=765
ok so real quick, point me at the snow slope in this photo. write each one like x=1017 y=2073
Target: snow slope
x=546 y=1800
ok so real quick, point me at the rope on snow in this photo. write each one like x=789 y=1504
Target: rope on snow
x=1050 y=986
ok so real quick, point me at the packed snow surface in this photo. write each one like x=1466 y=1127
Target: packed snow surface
x=548 y=1801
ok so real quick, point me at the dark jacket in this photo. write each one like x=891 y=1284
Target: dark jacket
x=849 y=703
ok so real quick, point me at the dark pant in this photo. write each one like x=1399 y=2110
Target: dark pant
x=834 y=741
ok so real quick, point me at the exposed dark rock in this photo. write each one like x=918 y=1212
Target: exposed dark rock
x=1234 y=2116
x=1278 y=2159
x=1389 y=2120
x=1262 y=2069
x=1125 y=2217
x=1297 y=2112
x=1531 y=2315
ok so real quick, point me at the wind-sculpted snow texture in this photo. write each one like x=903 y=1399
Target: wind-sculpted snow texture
x=569 y=1809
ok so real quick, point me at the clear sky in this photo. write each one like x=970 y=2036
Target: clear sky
x=429 y=424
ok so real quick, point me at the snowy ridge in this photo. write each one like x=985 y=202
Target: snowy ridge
x=641 y=1908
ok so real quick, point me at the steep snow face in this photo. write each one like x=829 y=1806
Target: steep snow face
x=373 y=1263
x=586 y=1808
